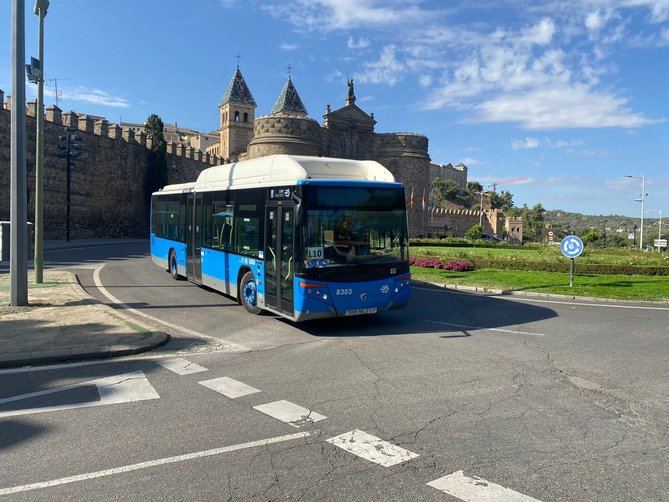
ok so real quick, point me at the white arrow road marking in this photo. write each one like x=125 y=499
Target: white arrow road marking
x=372 y=448
x=181 y=366
x=477 y=489
x=229 y=387
x=290 y=413
x=116 y=389
x=150 y=463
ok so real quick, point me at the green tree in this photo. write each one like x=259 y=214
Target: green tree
x=446 y=190
x=591 y=237
x=156 y=175
x=502 y=200
x=475 y=232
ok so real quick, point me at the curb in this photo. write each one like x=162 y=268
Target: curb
x=157 y=339
x=509 y=292
x=153 y=340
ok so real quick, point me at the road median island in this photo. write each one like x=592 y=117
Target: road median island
x=63 y=323
x=629 y=288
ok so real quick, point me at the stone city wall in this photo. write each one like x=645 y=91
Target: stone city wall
x=107 y=179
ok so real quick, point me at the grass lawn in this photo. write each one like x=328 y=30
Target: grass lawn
x=623 y=287
x=544 y=254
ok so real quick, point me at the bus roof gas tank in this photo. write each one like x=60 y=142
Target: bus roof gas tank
x=283 y=170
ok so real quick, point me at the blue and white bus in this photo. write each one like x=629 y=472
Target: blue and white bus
x=302 y=237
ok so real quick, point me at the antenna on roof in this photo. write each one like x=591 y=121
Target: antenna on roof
x=238 y=58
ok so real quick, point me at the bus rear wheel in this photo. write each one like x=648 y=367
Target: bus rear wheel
x=248 y=293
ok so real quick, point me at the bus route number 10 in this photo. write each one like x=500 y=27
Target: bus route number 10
x=315 y=253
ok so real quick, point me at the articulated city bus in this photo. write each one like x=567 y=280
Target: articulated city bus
x=302 y=237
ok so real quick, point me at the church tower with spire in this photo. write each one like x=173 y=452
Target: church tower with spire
x=236 y=112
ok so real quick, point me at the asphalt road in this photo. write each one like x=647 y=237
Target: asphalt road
x=480 y=396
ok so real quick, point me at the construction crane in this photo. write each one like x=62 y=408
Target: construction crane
x=509 y=181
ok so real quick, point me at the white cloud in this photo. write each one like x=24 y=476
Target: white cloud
x=361 y=43
x=506 y=81
x=333 y=75
x=288 y=47
x=524 y=144
x=425 y=80
x=561 y=143
x=328 y=15
x=94 y=96
x=540 y=33
x=473 y=149
x=386 y=70
x=470 y=161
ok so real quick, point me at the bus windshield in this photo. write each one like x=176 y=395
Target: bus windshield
x=354 y=226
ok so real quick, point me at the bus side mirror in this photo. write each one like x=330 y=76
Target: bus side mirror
x=300 y=214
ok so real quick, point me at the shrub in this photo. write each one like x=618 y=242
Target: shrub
x=455 y=265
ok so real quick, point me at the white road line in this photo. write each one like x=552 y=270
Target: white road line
x=521 y=298
x=116 y=389
x=477 y=489
x=229 y=387
x=372 y=448
x=290 y=413
x=181 y=366
x=150 y=463
x=127 y=308
x=501 y=330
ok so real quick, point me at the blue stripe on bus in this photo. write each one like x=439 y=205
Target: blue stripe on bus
x=160 y=250
x=220 y=270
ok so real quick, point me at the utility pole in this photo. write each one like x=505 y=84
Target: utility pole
x=41 y=7
x=18 y=211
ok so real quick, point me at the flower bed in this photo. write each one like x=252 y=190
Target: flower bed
x=455 y=265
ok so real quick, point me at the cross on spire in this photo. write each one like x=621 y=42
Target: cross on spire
x=289 y=69
x=238 y=58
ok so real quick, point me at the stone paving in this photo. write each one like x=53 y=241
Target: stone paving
x=64 y=323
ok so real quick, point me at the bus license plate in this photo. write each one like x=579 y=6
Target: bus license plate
x=371 y=310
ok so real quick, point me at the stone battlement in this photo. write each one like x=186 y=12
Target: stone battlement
x=100 y=126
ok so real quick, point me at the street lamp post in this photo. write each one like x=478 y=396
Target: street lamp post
x=642 y=200
x=18 y=266
x=41 y=7
x=481 y=193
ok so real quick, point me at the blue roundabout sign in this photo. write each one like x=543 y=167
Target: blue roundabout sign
x=571 y=246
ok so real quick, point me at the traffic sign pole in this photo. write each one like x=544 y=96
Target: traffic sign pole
x=571 y=272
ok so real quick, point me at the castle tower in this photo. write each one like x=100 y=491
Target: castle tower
x=236 y=110
x=289 y=103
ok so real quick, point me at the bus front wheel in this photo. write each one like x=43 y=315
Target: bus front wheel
x=174 y=271
x=248 y=293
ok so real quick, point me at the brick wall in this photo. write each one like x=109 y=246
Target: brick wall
x=107 y=180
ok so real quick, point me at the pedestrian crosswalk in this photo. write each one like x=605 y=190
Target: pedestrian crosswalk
x=356 y=442
x=372 y=448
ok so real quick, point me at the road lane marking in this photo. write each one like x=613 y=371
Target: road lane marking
x=477 y=489
x=372 y=448
x=181 y=366
x=150 y=463
x=229 y=387
x=116 y=389
x=98 y=283
x=522 y=298
x=501 y=330
x=290 y=413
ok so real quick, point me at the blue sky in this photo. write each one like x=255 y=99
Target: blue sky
x=563 y=98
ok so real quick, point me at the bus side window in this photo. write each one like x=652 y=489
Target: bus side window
x=222 y=225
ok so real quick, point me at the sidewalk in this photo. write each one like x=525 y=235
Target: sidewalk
x=63 y=323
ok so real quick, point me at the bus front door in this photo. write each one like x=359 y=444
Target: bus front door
x=279 y=260
x=194 y=238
